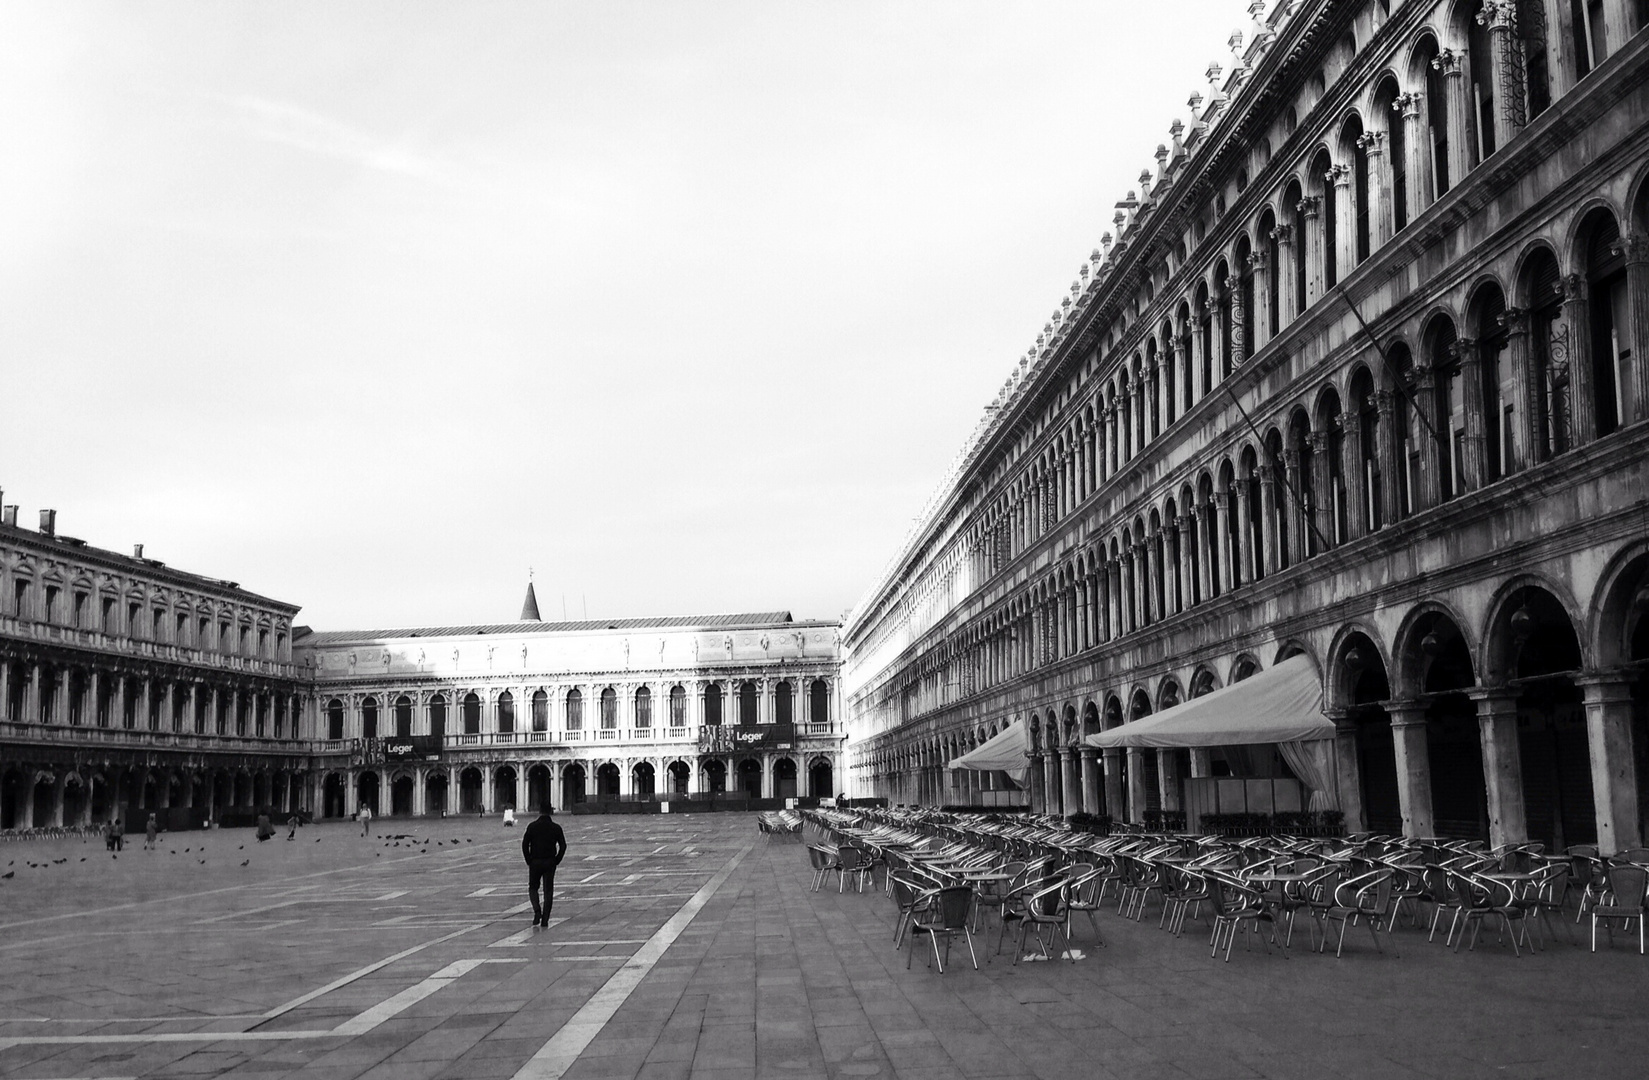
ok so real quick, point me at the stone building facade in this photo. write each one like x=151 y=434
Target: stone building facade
x=1360 y=374
x=483 y=718
x=127 y=685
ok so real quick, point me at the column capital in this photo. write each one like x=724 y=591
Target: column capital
x=1498 y=15
x=1408 y=105
x=1372 y=142
x=1339 y=176
x=1310 y=206
x=1410 y=712
x=1634 y=247
x=1496 y=696
x=1448 y=62
x=1089 y=753
x=1283 y=234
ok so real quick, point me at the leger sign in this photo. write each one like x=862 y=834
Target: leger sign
x=720 y=739
x=412 y=748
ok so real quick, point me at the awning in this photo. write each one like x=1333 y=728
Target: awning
x=1281 y=704
x=1005 y=751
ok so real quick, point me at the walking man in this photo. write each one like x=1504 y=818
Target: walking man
x=366 y=820
x=542 y=844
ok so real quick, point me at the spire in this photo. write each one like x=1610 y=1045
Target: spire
x=529 y=606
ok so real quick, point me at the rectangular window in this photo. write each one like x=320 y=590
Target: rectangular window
x=80 y=600
x=107 y=622
x=133 y=622
x=20 y=599
x=159 y=627
x=182 y=635
x=52 y=595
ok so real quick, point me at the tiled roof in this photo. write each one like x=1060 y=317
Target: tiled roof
x=709 y=622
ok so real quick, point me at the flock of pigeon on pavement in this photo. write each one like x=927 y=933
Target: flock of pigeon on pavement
x=393 y=840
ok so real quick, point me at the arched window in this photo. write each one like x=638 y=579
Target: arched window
x=712 y=704
x=1294 y=208
x=1609 y=314
x=472 y=714
x=540 y=711
x=609 y=709
x=1586 y=24
x=1437 y=117
x=818 y=710
x=506 y=713
x=1328 y=246
x=678 y=706
x=1368 y=447
x=1450 y=407
x=1406 y=428
x=747 y=704
x=1499 y=386
x=1481 y=88
x=1388 y=111
x=644 y=708
x=438 y=717
x=575 y=710
x=403 y=717
x=1537 y=71
x=334 y=718
x=1549 y=343
x=782 y=704
x=369 y=718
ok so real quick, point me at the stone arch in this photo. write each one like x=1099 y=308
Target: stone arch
x=1204 y=680
x=1415 y=658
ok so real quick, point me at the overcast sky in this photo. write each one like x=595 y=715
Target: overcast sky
x=371 y=307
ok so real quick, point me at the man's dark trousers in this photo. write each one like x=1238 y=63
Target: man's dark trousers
x=541 y=870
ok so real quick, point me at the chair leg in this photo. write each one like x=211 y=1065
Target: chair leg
x=971 y=954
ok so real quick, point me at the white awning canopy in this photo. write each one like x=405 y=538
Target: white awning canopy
x=1281 y=704
x=1003 y=751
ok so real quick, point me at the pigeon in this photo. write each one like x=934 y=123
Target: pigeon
x=317 y=839
x=241 y=848
x=203 y=862
x=114 y=856
x=82 y=858
x=377 y=854
x=248 y=862
x=9 y=873
x=174 y=851
x=60 y=862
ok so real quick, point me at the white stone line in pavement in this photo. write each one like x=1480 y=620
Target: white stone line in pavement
x=371 y=1018
x=556 y=1056
x=488 y=891
x=519 y=938
x=345 y=980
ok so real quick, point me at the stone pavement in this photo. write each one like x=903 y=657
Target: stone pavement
x=690 y=947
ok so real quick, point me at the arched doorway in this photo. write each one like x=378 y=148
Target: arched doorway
x=332 y=796
x=1439 y=671
x=400 y=796
x=538 y=787
x=12 y=806
x=572 y=785
x=1144 y=789
x=750 y=778
x=606 y=781
x=74 y=800
x=680 y=774
x=366 y=791
x=503 y=788
x=715 y=776
x=784 y=778
x=435 y=792
x=1366 y=688
x=642 y=778
x=1533 y=649
x=469 y=791
x=820 y=779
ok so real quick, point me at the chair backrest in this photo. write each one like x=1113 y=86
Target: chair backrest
x=815 y=857
x=1629 y=882
x=904 y=892
x=954 y=905
x=853 y=858
x=1049 y=901
x=1639 y=855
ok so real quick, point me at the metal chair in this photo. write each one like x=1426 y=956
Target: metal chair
x=949 y=917
x=1624 y=901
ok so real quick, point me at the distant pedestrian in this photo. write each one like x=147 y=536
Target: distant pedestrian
x=150 y=831
x=366 y=820
x=265 y=828
x=117 y=835
x=292 y=827
x=543 y=845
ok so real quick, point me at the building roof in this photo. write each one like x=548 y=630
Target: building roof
x=677 y=622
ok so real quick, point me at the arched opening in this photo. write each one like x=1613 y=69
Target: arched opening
x=820 y=779
x=1440 y=666
x=712 y=704
x=643 y=779
x=332 y=797
x=472 y=714
x=1449 y=405
x=747 y=704
x=400 y=796
x=334 y=719
x=644 y=708
x=1354 y=152
x=1586 y=27
x=1367 y=438
x=539 y=779
x=366 y=791
x=1436 y=105
x=435 y=793
x=572 y=785
x=715 y=776
x=750 y=778
x=1227 y=326
x=1608 y=312
x=1532 y=30
x=1498 y=382
x=403 y=717
x=609 y=714
x=1322 y=184
x=438 y=718
x=506 y=713
x=1388 y=116
x=540 y=711
x=783 y=704
x=369 y=719
x=818 y=710
x=575 y=710
x=1481 y=87
x=1365 y=687
x=503 y=788
x=681 y=775
x=469 y=791
x=1205 y=335
x=1533 y=649
x=607 y=781
x=784 y=778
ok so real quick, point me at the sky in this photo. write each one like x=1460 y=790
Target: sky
x=685 y=307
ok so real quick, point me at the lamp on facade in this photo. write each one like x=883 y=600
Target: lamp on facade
x=1523 y=625
x=1431 y=644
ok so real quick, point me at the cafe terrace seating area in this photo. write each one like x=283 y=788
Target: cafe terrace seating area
x=1032 y=888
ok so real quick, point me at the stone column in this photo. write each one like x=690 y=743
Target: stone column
x=1153 y=399
x=1344 y=255
x=1456 y=87
x=1311 y=208
x=1129 y=599
x=1283 y=282
x=1421 y=183
x=1428 y=484
x=1635 y=398
x=1168 y=778
x=1408 y=736
x=1348 y=775
x=1322 y=480
x=1382 y=225
x=1113 y=783
x=1186 y=573
x=1245 y=539
x=1609 y=744
x=1502 y=764
x=1582 y=399
x=1259 y=264
x=1506 y=65
x=1152 y=609
x=1620 y=23
x=1182 y=376
x=1036 y=782
x=1070 y=785
x=1239 y=321
x=1091 y=790
x=1268 y=518
x=1353 y=474
x=1473 y=470
x=1200 y=517
x=1199 y=353
x=1391 y=463
x=1520 y=359
x=1136 y=785
x=1292 y=482
x=1202 y=761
